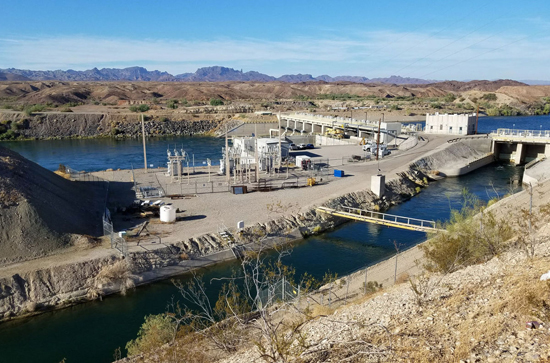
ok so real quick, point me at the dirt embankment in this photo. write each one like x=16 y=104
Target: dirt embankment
x=67 y=125
x=42 y=213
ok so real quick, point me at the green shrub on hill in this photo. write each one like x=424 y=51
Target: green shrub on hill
x=216 y=102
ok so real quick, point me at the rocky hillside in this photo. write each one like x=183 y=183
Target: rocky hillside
x=42 y=213
x=59 y=93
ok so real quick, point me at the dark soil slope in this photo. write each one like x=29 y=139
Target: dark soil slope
x=42 y=213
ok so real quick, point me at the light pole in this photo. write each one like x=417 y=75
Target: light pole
x=513 y=128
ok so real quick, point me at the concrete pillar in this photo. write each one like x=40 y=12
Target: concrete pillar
x=378 y=185
x=547 y=150
x=520 y=153
x=303 y=126
x=323 y=132
x=495 y=149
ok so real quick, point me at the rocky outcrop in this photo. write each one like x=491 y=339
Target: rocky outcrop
x=70 y=125
x=24 y=294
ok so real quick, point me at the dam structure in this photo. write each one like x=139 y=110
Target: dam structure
x=305 y=123
x=520 y=146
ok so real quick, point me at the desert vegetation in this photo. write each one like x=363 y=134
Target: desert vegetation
x=480 y=280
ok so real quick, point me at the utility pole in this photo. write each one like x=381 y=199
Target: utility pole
x=477 y=117
x=378 y=138
x=144 y=148
x=280 y=150
x=256 y=153
x=227 y=173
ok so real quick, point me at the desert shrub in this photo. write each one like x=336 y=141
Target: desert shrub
x=449 y=97
x=468 y=239
x=9 y=135
x=154 y=332
x=371 y=287
x=541 y=109
x=216 y=102
x=436 y=105
x=489 y=97
x=503 y=110
x=172 y=104
x=140 y=108
x=29 y=110
x=72 y=104
x=118 y=274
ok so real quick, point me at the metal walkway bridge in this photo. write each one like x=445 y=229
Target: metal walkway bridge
x=384 y=219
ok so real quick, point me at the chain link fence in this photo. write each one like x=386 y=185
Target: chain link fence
x=117 y=242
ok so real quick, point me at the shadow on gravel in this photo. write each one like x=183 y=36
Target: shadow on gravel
x=191 y=218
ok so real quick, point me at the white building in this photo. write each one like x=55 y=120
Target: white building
x=464 y=124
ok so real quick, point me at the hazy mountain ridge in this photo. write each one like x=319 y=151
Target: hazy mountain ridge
x=205 y=74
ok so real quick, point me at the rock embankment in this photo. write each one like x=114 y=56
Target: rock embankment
x=63 y=285
x=71 y=125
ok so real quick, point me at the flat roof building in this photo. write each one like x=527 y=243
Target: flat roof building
x=464 y=124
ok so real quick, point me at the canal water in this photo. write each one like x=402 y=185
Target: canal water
x=91 y=332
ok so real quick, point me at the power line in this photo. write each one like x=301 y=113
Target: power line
x=446 y=45
x=479 y=55
x=432 y=35
x=460 y=50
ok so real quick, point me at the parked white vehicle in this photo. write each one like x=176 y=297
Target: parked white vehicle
x=382 y=151
x=368 y=147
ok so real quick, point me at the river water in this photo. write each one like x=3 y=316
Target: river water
x=91 y=332
x=105 y=153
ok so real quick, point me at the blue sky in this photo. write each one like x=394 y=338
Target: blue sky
x=426 y=39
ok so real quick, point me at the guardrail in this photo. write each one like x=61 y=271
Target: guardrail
x=522 y=133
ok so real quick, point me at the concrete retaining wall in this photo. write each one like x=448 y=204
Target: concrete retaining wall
x=537 y=173
x=457 y=158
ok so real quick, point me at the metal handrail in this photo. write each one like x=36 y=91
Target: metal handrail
x=396 y=218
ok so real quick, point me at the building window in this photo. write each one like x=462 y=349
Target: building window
x=450 y=129
x=460 y=130
x=432 y=127
x=441 y=127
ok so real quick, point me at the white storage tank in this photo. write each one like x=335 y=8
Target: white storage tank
x=167 y=214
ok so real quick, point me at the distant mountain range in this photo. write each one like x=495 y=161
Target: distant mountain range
x=206 y=74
